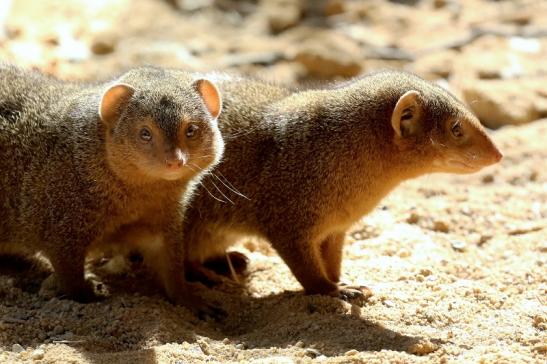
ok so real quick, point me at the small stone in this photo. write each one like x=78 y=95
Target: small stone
x=488 y=178
x=422 y=348
x=58 y=330
x=458 y=245
x=37 y=354
x=389 y=303
x=299 y=344
x=225 y=341
x=103 y=44
x=441 y=226
x=413 y=218
x=312 y=353
x=403 y=253
x=17 y=348
x=351 y=352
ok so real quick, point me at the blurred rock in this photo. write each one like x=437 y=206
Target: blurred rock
x=282 y=14
x=502 y=102
x=325 y=55
x=104 y=43
x=435 y=65
x=334 y=7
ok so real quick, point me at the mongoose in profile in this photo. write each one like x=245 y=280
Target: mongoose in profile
x=301 y=167
x=86 y=164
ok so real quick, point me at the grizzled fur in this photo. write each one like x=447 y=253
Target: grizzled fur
x=61 y=193
x=301 y=167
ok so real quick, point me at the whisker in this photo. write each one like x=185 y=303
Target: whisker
x=222 y=193
x=229 y=185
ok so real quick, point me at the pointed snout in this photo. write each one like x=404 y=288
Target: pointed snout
x=498 y=156
x=175 y=159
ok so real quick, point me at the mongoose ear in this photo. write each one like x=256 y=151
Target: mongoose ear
x=113 y=101
x=210 y=95
x=406 y=116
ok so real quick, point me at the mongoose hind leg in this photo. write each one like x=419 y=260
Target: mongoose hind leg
x=304 y=259
x=331 y=252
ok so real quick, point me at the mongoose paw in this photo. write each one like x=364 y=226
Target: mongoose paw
x=87 y=292
x=352 y=293
x=228 y=265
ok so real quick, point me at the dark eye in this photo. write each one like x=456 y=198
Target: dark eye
x=145 y=134
x=457 y=130
x=191 y=131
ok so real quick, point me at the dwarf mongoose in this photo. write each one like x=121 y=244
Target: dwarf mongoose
x=301 y=167
x=83 y=164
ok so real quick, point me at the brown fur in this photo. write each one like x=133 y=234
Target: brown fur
x=71 y=182
x=301 y=167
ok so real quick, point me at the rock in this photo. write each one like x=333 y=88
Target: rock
x=502 y=102
x=435 y=65
x=458 y=245
x=312 y=353
x=351 y=352
x=37 y=354
x=17 y=348
x=282 y=14
x=326 y=55
x=422 y=348
x=334 y=7
x=104 y=44
x=441 y=226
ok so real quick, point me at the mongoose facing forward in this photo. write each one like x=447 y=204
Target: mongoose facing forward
x=301 y=167
x=84 y=164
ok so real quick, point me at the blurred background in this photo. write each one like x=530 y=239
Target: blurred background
x=492 y=54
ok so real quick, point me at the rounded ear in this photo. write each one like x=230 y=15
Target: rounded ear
x=406 y=115
x=113 y=102
x=210 y=96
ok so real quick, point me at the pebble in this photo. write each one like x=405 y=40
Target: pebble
x=422 y=348
x=58 y=330
x=17 y=348
x=389 y=303
x=441 y=226
x=458 y=245
x=312 y=353
x=37 y=354
x=351 y=352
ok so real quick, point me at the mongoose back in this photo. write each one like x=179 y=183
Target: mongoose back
x=300 y=168
x=83 y=164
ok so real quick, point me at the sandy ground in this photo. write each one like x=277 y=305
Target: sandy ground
x=457 y=264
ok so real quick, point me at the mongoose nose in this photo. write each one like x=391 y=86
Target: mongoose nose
x=175 y=159
x=497 y=155
x=174 y=163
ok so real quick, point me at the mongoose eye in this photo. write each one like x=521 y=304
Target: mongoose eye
x=191 y=131
x=145 y=134
x=457 y=130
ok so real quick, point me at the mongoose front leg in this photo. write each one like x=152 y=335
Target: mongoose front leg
x=69 y=272
x=331 y=252
x=165 y=255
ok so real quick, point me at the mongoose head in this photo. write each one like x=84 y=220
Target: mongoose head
x=159 y=127
x=440 y=130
